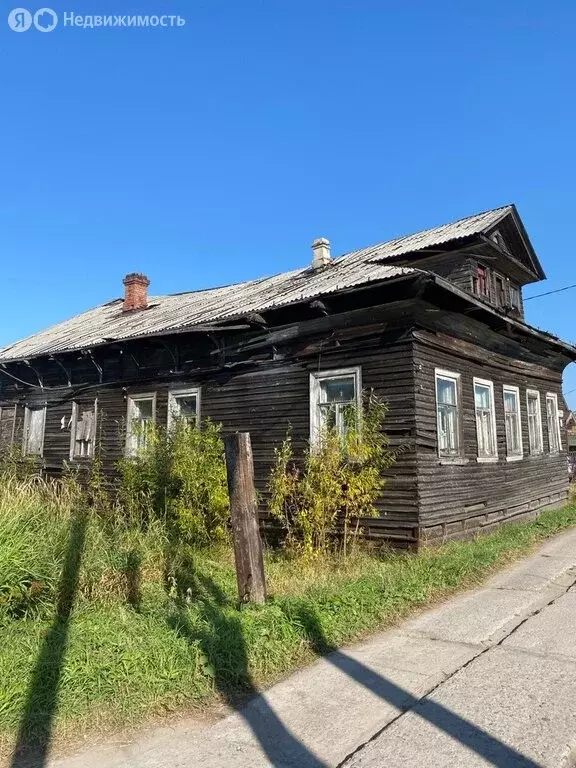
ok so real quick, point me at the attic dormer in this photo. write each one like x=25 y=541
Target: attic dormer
x=489 y=256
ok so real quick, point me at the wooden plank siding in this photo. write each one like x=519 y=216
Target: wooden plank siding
x=456 y=501
x=259 y=382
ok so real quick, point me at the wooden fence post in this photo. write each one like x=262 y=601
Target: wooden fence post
x=244 y=513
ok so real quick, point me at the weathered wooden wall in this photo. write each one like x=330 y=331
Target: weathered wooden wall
x=456 y=501
x=259 y=382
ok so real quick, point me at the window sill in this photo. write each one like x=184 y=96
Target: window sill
x=487 y=459
x=455 y=461
x=514 y=458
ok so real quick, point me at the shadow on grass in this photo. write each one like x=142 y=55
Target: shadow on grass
x=133 y=574
x=35 y=730
x=222 y=642
x=220 y=636
x=467 y=733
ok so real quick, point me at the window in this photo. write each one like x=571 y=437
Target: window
x=514 y=293
x=554 y=440
x=481 y=281
x=334 y=401
x=184 y=404
x=34 y=421
x=498 y=239
x=141 y=417
x=500 y=292
x=447 y=413
x=513 y=423
x=7 y=424
x=82 y=430
x=485 y=420
x=534 y=421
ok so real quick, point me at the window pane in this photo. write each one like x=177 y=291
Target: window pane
x=185 y=407
x=448 y=428
x=143 y=409
x=532 y=404
x=553 y=426
x=341 y=390
x=482 y=395
x=446 y=391
x=510 y=401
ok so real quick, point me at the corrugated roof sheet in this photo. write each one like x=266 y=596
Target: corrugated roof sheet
x=175 y=312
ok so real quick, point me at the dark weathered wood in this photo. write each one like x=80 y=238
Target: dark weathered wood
x=245 y=529
x=255 y=377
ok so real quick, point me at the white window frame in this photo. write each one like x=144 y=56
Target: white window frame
x=539 y=433
x=27 y=411
x=516 y=391
x=440 y=373
x=493 y=457
x=173 y=394
x=554 y=398
x=73 y=424
x=131 y=449
x=315 y=391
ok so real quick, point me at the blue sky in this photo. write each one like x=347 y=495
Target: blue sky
x=218 y=151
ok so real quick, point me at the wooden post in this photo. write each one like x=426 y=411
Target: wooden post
x=247 y=541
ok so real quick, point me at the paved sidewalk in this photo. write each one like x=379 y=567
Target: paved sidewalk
x=487 y=678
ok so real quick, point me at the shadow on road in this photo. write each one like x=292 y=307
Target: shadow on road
x=478 y=740
x=223 y=630
x=34 y=733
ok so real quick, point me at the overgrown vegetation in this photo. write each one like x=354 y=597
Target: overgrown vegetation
x=116 y=609
x=180 y=479
x=337 y=483
x=144 y=641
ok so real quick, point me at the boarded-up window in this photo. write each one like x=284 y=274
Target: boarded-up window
x=554 y=441
x=534 y=421
x=83 y=430
x=7 y=416
x=513 y=424
x=34 y=421
x=448 y=413
x=485 y=419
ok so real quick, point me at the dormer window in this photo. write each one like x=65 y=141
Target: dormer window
x=496 y=236
x=514 y=293
x=481 y=281
x=500 y=293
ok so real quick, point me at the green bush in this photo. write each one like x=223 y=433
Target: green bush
x=179 y=478
x=339 y=483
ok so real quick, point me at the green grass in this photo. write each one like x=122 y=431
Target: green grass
x=126 y=664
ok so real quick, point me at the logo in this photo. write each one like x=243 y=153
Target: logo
x=45 y=20
x=19 y=20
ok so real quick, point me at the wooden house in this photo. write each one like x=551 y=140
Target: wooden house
x=432 y=322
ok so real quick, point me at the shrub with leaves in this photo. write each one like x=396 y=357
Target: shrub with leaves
x=337 y=483
x=179 y=477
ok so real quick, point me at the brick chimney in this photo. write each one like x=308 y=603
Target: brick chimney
x=135 y=292
x=321 y=253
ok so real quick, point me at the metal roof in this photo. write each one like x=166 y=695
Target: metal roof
x=176 y=312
